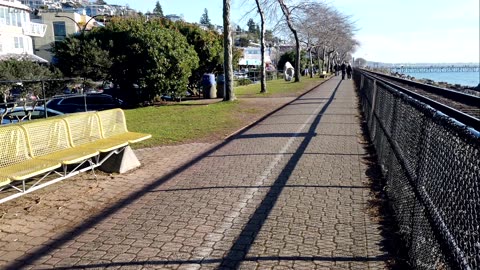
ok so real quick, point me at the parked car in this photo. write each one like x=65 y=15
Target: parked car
x=21 y=114
x=81 y=103
x=239 y=75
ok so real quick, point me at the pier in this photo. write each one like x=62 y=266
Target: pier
x=434 y=68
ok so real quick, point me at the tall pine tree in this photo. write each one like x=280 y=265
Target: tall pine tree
x=158 y=9
x=205 y=20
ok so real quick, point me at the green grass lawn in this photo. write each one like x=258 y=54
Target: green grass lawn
x=183 y=122
x=170 y=124
x=275 y=87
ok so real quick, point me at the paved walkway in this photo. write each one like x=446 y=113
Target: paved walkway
x=288 y=193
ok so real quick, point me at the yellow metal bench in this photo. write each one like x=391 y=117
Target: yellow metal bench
x=48 y=140
x=106 y=132
x=85 y=132
x=16 y=164
x=114 y=126
x=15 y=161
x=37 y=149
x=4 y=181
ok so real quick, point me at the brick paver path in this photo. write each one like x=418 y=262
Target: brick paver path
x=288 y=193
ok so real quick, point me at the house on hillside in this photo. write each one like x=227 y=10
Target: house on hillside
x=60 y=25
x=17 y=31
x=252 y=57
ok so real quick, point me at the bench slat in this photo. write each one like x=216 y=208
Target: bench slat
x=71 y=156
x=4 y=181
x=131 y=137
x=29 y=168
x=104 y=145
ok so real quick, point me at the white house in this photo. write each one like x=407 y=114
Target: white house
x=16 y=31
x=252 y=57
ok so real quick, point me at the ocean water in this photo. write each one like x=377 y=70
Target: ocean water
x=462 y=78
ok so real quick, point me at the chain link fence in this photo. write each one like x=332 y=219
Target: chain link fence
x=431 y=164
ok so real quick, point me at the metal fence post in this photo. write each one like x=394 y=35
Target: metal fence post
x=44 y=99
x=374 y=97
x=372 y=111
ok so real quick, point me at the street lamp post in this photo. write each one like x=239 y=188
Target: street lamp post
x=82 y=33
x=82 y=30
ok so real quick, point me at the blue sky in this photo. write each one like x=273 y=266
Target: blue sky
x=393 y=31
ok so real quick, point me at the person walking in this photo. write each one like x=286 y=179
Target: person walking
x=349 y=71
x=343 y=68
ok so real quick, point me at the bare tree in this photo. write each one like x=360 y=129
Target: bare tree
x=329 y=31
x=263 y=83
x=313 y=15
x=227 y=52
x=287 y=12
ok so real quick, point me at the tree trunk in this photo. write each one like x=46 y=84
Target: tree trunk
x=263 y=83
x=320 y=66
x=227 y=53
x=324 y=58
x=311 y=62
x=297 y=56
x=286 y=12
x=329 y=63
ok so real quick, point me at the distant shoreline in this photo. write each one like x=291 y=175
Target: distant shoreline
x=473 y=90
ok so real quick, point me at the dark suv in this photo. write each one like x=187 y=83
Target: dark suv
x=81 y=103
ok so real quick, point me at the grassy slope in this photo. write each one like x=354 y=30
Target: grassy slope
x=183 y=122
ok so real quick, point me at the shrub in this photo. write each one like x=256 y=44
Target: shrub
x=245 y=81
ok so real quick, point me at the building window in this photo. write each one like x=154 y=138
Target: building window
x=24 y=18
x=18 y=19
x=7 y=17
x=2 y=15
x=18 y=42
x=59 y=31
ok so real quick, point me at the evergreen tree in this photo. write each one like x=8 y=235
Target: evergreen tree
x=243 y=42
x=158 y=9
x=251 y=26
x=270 y=39
x=205 y=20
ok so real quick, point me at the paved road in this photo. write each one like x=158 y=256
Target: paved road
x=288 y=193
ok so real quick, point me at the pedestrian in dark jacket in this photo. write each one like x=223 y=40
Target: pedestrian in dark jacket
x=343 y=68
x=349 y=71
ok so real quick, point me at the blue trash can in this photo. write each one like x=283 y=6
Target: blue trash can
x=209 y=86
x=221 y=86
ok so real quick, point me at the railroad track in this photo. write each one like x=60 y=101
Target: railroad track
x=463 y=107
